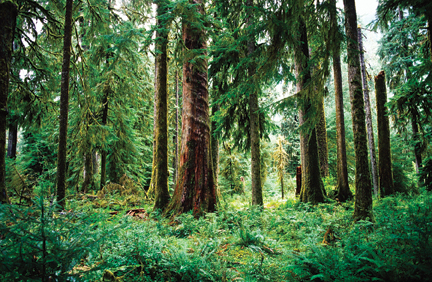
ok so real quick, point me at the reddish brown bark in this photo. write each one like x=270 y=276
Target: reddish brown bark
x=195 y=189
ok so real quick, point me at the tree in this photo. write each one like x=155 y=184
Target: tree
x=363 y=192
x=321 y=132
x=160 y=162
x=257 y=198
x=64 y=106
x=369 y=127
x=195 y=188
x=343 y=190
x=281 y=159
x=8 y=15
x=386 y=185
x=312 y=186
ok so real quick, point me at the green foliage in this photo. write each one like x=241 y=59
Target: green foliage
x=38 y=242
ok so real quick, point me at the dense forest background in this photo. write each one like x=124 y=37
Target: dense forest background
x=193 y=140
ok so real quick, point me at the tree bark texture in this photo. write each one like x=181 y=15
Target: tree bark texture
x=386 y=185
x=195 y=188
x=312 y=189
x=417 y=142
x=107 y=90
x=371 y=139
x=8 y=15
x=176 y=134
x=321 y=131
x=160 y=175
x=64 y=106
x=215 y=147
x=257 y=197
x=363 y=188
x=12 y=139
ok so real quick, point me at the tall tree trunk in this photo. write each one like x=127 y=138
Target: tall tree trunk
x=386 y=185
x=282 y=186
x=215 y=146
x=371 y=139
x=176 y=134
x=343 y=191
x=363 y=194
x=195 y=188
x=312 y=187
x=88 y=172
x=13 y=139
x=160 y=180
x=417 y=142
x=321 y=132
x=107 y=91
x=257 y=197
x=64 y=106
x=8 y=15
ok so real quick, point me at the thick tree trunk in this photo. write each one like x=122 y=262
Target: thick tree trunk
x=386 y=185
x=321 y=132
x=160 y=175
x=13 y=139
x=257 y=197
x=343 y=191
x=371 y=139
x=195 y=188
x=363 y=194
x=64 y=106
x=8 y=15
x=312 y=189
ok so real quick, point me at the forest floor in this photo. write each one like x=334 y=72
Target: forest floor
x=286 y=241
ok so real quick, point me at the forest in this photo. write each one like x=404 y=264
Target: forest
x=194 y=140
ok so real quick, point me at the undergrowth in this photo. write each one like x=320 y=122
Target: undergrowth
x=286 y=241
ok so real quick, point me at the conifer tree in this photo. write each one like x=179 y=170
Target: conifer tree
x=64 y=106
x=257 y=197
x=195 y=188
x=160 y=162
x=343 y=190
x=363 y=189
x=8 y=16
x=312 y=186
x=386 y=185
x=369 y=127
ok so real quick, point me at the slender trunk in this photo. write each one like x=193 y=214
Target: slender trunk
x=160 y=180
x=95 y=160
x=88 y=172
x=257 y=197
x=312 y=189
x=107 y=91
x=343 y=191
x=386 y=185
x=13 y=139
x=195 y=188
x=215 y=147
x=371 y=141
x=321 y=132
x=8 y=15
x=417 y=142
x=175 y=160
x=64 y=106
x=282 y=186
x=363 y=194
